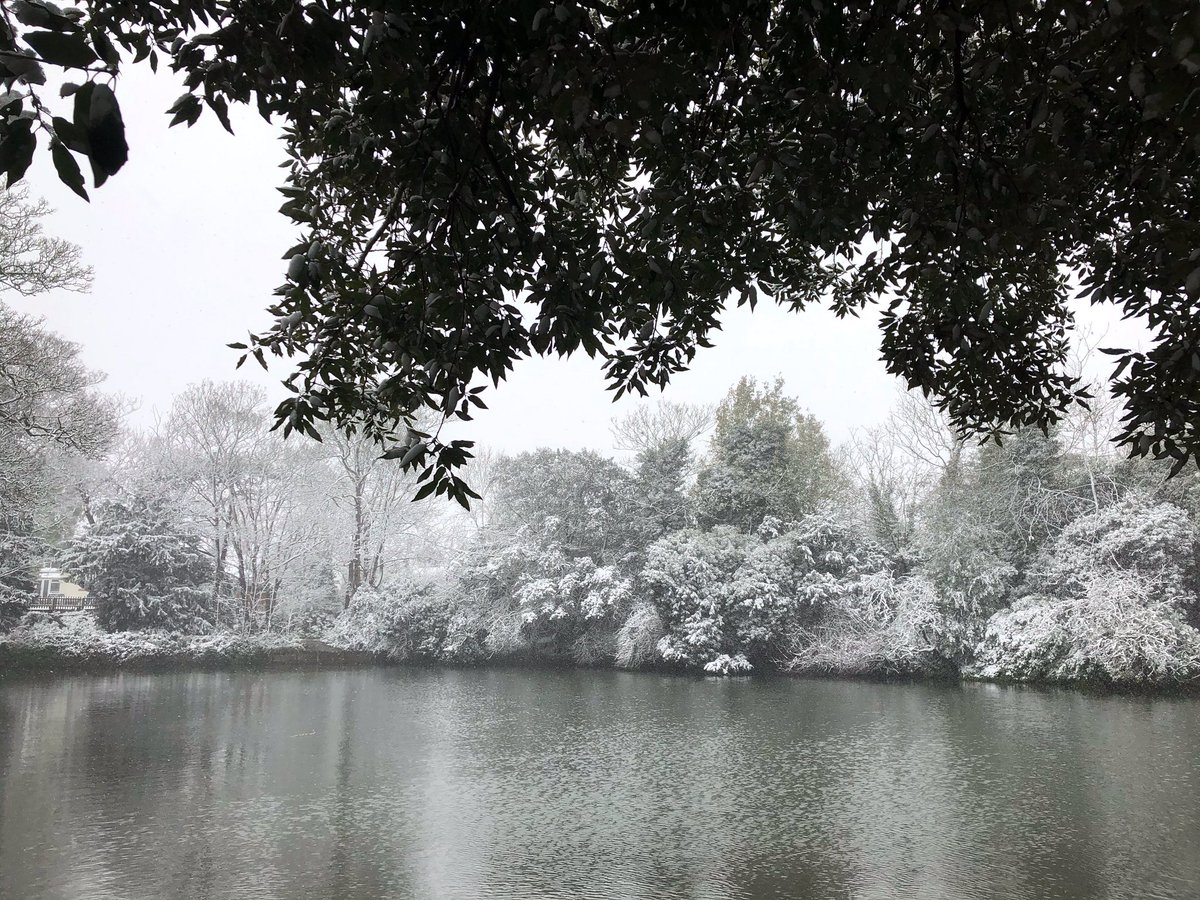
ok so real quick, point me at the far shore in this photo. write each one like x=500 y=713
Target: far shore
x=309 y=654
x=150 y=653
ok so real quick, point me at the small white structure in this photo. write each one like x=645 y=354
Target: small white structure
x=52 y=586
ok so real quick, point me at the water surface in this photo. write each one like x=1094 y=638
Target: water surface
x=507 y=784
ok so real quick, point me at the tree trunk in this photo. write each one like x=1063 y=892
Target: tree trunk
x=354 y=574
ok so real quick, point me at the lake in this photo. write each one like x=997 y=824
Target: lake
x=395 y=782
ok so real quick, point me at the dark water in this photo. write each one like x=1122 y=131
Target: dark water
x=392 y=783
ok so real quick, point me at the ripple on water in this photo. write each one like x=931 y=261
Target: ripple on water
x=392 y=783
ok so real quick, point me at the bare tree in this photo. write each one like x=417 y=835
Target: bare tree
x=274 y=520
x=46 y=393
x=651 y=427
x=1086 y=433
x=31 y=262
x=374 y=495
x=206 y=443
x=922 y=435
x=893 y=486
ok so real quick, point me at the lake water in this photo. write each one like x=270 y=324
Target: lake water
x=510 y=784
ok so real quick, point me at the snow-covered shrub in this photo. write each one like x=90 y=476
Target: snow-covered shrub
x=727 y=593
x=1119 y=629
x=637 y=641
x=562 y=599
x=541 y=600
x=728 y=665
x=143 y=566
x=1152 y=539
x=417 y=621
x=795 y=575
x=687 y=575
x=891 y=626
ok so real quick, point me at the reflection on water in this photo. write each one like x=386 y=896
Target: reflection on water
x=394 y=783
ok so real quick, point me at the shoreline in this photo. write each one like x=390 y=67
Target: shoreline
x=47 y=661
x=310 y=655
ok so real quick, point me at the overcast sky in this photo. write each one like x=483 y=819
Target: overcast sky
x=186 y=242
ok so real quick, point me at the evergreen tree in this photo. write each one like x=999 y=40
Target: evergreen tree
x=145 y=569
x=661 y=487
x=579 y=501
x=768 y=458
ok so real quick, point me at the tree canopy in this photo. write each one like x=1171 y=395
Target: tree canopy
x=768 y=458
x=481 y=182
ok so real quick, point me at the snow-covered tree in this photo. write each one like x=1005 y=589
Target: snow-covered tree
x=1108 y=599
x=145 y=569
x=1119 y=628
x=726 y=593
x=662 y=503
x=767 y=458
x=51 y=413
x=580 y=502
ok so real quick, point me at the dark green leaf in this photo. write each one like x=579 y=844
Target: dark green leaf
x=68 y=49
x=107 y=148
x=68 y=169
x=17 y=146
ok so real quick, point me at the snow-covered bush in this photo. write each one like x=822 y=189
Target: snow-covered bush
x=541 y=600
x=687 y=575
x=1152 y=539
x=373 y=622
x=416 y=621
x=1120 y=629
x=727 y=593
x=891 y=626
x=637 y=641
x=564 y=600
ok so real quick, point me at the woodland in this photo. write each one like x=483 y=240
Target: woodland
x=723 y=539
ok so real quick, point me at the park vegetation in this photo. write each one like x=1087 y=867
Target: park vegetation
x=728 y=540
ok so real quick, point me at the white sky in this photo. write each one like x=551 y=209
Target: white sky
x=186 y=242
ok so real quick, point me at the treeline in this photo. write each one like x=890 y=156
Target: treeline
x=727 y=540
x=907 y=552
